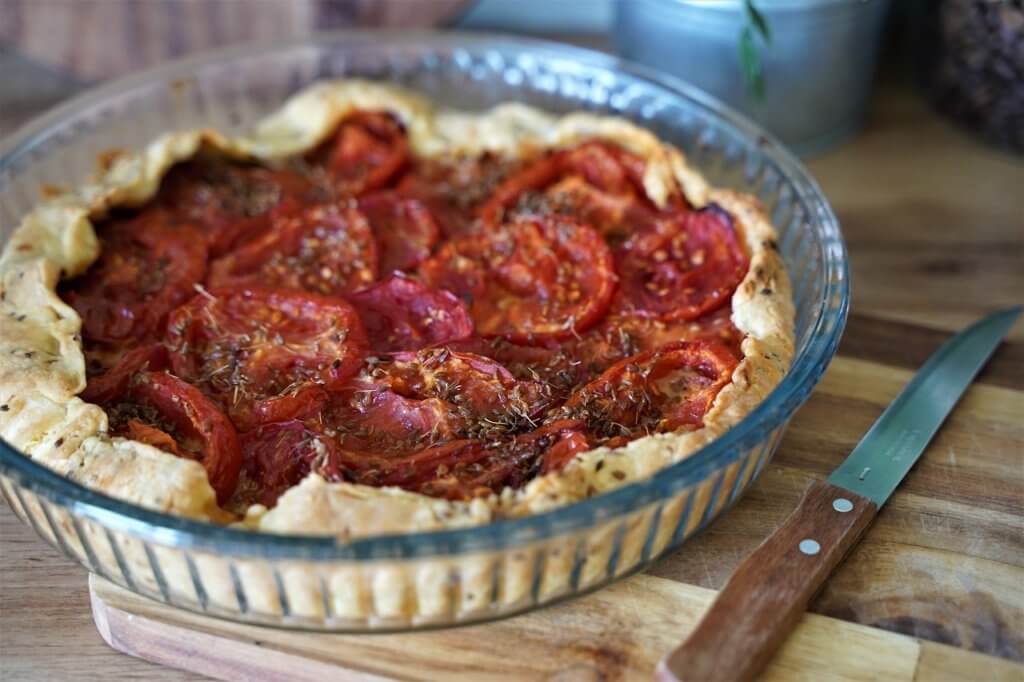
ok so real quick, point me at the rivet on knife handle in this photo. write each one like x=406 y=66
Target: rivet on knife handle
x=769 y=592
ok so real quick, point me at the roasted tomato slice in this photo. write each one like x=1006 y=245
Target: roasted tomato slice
x=417 y=470
x=326 y=249
x=115 y=381
x=278 y=456
x=607 y=167
x=135 y=429
x=662 y=390
x=473 y=468
x=247 y=346
x=596 y=182
x=453 y=189
x=298 y=401
x=683 y=267
x=485 y=395
x=162 y=410
x=529 y=280
x=463 y=469
x=404 y=228
x=231 y=202
x=407 y=401
x=568 y=441
x=614 y=216
x=368 y=150
x=622 y=334
x=555 y=366
x=148 y=266
x=566 y=365
x=371 y=419
x=404 y=314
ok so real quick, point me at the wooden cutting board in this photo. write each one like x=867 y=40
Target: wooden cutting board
x=618 y=633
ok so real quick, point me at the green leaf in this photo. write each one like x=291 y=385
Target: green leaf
x=750 y=63
x=758 y=21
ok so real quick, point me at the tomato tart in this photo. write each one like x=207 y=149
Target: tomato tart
x=372 y=315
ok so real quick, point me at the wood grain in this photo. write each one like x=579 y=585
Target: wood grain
x=935 y=225
x=933 y=219
x=614 y=634
x=937 y=662
x=906 y=345
x=768 y=593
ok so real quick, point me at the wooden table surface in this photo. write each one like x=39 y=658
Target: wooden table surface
x=935 y=226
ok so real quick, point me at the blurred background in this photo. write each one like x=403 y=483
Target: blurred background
x=803 y=68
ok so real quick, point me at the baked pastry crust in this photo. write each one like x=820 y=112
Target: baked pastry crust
x=42 y=367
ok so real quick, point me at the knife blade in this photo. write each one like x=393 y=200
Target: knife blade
x=895 y=441
x=765 y=597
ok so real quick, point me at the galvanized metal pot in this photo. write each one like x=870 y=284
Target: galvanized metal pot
x=818 y=68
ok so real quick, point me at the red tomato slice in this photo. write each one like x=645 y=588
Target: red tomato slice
x=607 y=175
x=622 y=334
x=164 y=411
x=148 y=266
x=487 y=397
x=566 y=365
x=138 y=430
x=607 y=167
x=554 y=366
x=614 y=216
x=404 y=229
x=408 y=401
x=661 y=390
x=278 y=456
x=114 y=382
x=470 y=468
x=417 y=471
x=369 y=149
x=404 y=314
x=453 y=189
x=529 y=280
x=571 y=442
x=300 y=401
x=718 y=326
x=248 y=345
x=231 y=202
x=683 y=267
x=373 y=418
x=325 y=249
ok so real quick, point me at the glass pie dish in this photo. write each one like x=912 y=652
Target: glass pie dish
x=452 y=576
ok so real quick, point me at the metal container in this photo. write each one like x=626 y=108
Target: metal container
x=817 y=70
x=460 y=575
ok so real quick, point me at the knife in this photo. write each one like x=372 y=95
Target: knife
x=764 y=598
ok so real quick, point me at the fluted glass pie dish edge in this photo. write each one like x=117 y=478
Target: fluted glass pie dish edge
x=429 y=579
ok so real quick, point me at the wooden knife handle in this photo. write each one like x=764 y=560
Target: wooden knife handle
x=765 y=597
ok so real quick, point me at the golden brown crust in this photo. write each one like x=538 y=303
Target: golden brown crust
x=42 y=368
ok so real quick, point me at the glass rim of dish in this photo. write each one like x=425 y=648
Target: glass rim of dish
x=168 y=529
